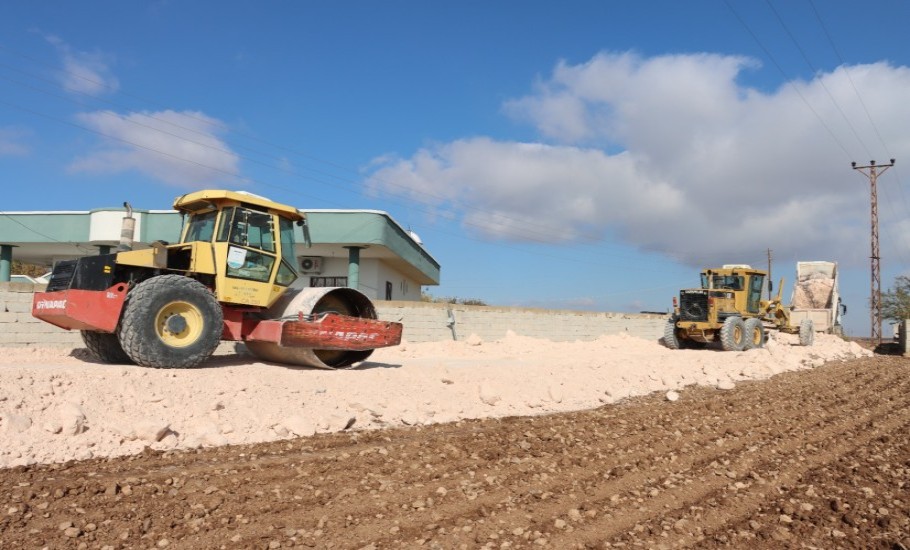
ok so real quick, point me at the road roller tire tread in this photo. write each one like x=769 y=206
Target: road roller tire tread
x=139 y=335
x=105 y=347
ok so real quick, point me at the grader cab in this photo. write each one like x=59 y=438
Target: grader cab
x=231 y=277
x=728 y=308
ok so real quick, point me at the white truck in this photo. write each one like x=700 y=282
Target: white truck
x=816 y=297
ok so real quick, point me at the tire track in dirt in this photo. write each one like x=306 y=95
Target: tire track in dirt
x=748 y=505
x=710 y=489
x=764 y=482
x=558 y=508
x=520 y=481
x=490 y=501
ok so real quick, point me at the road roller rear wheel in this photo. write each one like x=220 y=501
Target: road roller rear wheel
x=105 y=347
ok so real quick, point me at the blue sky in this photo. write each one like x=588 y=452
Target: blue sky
x=582 y=155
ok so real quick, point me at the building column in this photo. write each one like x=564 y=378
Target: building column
x=354 y=266
x=6 y=262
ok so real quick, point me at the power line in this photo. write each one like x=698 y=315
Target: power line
x=786 y=78
x=233 y=174
x=849 y=78
x=206 y=121
x=426 y=201
x=859 y=97
x=875 y=309
x=46 y=236
x=820 y=81
x=520 y=230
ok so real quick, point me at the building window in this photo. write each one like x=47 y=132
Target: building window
x=321 y=282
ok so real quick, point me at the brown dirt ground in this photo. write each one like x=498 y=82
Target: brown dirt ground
x=818 y=458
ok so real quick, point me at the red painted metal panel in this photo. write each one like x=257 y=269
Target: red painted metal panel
x=341 y=332
x=265 y=331
x=81 y=309
x=233 y=323
x=331 y=331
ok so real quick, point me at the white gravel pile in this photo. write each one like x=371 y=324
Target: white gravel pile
x=813 y=294
x=56 y=405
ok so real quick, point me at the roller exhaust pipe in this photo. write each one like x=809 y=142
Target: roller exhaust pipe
x=127 y=230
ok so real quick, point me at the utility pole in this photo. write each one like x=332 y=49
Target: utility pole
x=769 y=274
x=872 y=171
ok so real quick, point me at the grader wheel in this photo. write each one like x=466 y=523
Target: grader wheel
x=671 y=341
x=733 y=334
x=755 y=333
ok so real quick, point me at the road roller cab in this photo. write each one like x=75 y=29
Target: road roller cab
x=232 y=276
x=243 y=243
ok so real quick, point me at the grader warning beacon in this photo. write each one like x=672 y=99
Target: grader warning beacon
x=231 y=277
x=728 y=308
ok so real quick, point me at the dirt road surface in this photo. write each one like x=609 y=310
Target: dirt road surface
x=811 y=459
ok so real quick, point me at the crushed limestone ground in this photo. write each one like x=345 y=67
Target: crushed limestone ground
x=818 y=457
x=57 y=405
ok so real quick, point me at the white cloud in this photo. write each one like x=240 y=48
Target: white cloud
x=12 y=142
x=84 y=72
x=671 y=154
x=178 y=148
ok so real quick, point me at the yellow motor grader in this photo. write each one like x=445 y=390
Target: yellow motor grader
x=232 y=276
x=728 y=308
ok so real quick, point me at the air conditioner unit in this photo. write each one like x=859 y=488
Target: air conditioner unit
x=311 y=264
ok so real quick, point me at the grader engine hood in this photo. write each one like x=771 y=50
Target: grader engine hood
x=699 y=303
x=693 y=305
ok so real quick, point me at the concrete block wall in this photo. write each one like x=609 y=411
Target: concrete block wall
x=17 y=326
x=430 y=322
x=423 y=322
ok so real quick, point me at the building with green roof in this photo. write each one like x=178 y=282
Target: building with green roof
x=364 y=249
